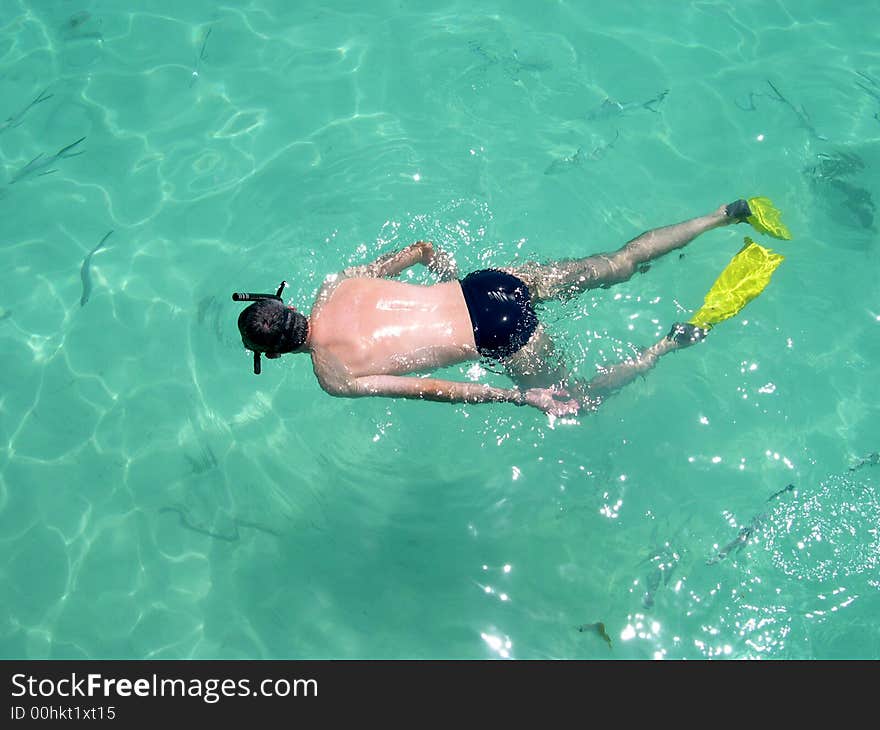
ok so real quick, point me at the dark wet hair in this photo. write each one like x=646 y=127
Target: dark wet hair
x=270 y=327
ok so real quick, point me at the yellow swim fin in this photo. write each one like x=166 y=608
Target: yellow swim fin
x=766 y=218
x=741 y=281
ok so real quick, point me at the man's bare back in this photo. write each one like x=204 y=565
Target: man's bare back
x=387 y=327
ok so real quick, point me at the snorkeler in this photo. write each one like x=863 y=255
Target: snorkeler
x=366 y=332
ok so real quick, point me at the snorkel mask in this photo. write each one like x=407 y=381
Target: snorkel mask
x=248 y=297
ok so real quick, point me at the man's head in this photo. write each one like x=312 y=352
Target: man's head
x=270 y=327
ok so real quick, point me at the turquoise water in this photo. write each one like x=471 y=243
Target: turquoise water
x=159 y=501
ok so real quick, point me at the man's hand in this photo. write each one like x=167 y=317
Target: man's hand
x=553 y=401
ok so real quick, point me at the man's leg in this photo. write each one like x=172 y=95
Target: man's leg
x=590 y=394
x=562 y=279
x=538 y=365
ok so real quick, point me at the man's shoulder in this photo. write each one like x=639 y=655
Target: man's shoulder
x=328 y=286
x=350 y=273
x=332 y=287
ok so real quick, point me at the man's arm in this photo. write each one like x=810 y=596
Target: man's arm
x=420 y=252
x=334 y=379
x=433 y=389
x=450 y=391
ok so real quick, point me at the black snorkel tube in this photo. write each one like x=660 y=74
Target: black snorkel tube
x=249 y=297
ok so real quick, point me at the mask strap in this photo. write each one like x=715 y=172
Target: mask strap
x=241 y=296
